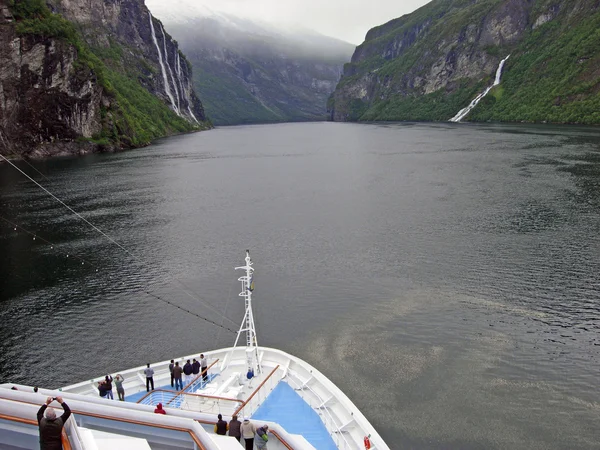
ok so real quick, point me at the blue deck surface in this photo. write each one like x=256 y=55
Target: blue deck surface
x=288 y=409
x=134 y=398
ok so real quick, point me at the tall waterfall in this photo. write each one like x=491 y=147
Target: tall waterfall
x=162 y=67
x=184 y=93
x=169 y=67
x=463 y=112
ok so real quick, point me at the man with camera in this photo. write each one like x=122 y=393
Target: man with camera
x=50 y=425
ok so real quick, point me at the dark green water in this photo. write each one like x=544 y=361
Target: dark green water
x=446 y=277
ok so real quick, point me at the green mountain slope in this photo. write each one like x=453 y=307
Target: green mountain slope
x=75 y=85
x=430 y=64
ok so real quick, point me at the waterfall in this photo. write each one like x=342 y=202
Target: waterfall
x=169 y=66
x=162 y=67
x=463 y=112
x=183 y=91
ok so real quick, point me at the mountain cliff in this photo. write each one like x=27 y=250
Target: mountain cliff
x=80 y=76
x=248 y=72
x=430 y=64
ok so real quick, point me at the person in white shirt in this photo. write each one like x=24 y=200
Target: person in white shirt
x=149 y=372
x=203 y=367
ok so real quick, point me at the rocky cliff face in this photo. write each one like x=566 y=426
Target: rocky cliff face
x=91 y=82
x=252 y=72
x=146 y=45
x=46 y=100
x=431 y=63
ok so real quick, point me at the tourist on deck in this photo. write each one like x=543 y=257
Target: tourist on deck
x=187 y=370
x=171 y=370
x=204 y=367
x=261 y=437
x=108 y=382
x=235 y=428
x=221 y=426
x=119 y=384
x=177 y=371
x=102 y=389
x=159 y=409
x=51 y=426
x=149 y=372
x=195 y=368
x=248 y=431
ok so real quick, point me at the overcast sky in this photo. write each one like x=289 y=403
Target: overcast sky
x=348 y=20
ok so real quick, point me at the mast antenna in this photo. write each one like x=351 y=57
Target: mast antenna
x=247 y=325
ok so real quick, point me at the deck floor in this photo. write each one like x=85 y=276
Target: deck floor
x=287 y=408
x=134 y=398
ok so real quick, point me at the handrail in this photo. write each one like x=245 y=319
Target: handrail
x=18 y=419
x=176 y=393
x=193 y=381
x=285 y=444
x=63 y=437
x=243 y=405
x=101 y=416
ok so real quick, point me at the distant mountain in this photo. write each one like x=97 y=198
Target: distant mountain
x=80 y=76
x=249 y=72
x=430 y=64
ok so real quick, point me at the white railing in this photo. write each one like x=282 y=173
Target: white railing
x=74 y=435
x=158 y=396
x=318 y=404
x=258 y=397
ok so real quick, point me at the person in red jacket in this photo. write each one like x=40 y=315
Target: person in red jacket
x=159 y=409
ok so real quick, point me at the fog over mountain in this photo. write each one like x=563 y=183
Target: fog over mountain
x=348 y=20
x=248 y=70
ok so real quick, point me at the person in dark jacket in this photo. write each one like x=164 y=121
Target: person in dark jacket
x=195 y=368
x=51 y=426
x=221 y=426
x=177 y=371
x=234 y=428
x=108 y=383
x=102 y=389
x=187 y=370
x=171 y=366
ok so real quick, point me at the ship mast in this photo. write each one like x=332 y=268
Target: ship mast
x=247 y=324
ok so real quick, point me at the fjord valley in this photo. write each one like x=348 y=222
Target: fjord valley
x=251 y=71
x=431 y=63
x=80 y=77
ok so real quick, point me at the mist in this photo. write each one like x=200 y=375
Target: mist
x=347 y=20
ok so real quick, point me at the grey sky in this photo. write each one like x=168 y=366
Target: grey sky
x=348 y=20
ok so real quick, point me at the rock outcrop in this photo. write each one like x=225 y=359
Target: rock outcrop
x=430 y=64
x=80 y=76
x=46 y=99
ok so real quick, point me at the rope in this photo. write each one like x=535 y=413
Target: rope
x=69 y=208
x=36 y=236
x=118 y=245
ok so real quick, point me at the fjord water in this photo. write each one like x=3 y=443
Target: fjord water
x=444 y=276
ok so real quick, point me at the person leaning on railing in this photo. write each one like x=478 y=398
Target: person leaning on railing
x=51 y=426
x=261 y=437
x=235 y=427
x=248 y=431
x=221 y=426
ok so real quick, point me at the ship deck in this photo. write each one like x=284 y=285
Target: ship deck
x=292 y=397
